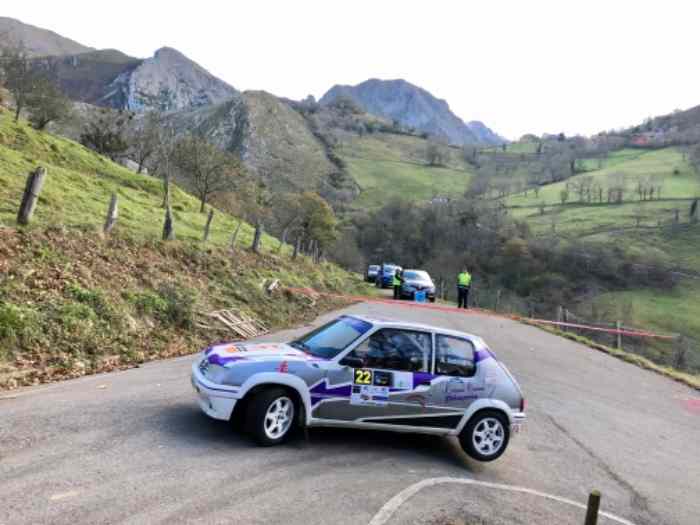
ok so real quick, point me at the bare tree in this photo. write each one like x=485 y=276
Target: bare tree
x=46 y=103
x=106 y=133
x=207 y=169
x=146 y=138
x=434 y=154
x=564 y=195
x=18 y=76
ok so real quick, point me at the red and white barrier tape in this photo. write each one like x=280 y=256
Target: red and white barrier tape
x=411 y=304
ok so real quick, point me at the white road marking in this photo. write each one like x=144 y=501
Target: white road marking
x=64 y=495
x=391 y=506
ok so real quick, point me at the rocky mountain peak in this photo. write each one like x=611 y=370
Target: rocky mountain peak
x=169 y=81
x=412 y=106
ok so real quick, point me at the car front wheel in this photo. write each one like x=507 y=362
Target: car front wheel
x=271 y=416
x=486 y=435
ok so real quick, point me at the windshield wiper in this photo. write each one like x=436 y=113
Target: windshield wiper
x=300 y=346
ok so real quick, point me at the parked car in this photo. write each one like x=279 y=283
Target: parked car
x=359 y=372
x=417 y=281
x=372 y=271
x=385 y=276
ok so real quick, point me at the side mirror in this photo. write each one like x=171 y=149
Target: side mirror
x=352 y=362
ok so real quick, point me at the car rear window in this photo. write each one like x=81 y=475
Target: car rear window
x=416 y=275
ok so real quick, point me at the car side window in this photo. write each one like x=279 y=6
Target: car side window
x=454 y=356
x=394 y=349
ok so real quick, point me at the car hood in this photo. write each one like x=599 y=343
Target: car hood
x=228 y=353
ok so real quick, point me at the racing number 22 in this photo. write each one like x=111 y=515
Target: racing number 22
x=363 y=376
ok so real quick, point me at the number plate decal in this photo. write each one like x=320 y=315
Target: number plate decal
x=363 y=376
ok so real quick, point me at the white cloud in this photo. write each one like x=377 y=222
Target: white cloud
x=539 y=66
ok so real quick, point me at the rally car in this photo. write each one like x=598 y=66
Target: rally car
x=365 y=373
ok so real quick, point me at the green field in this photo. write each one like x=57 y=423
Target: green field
x=79 y=185
x=643 y=228
x=386 y=166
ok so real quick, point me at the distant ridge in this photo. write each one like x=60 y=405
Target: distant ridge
x=413 y=107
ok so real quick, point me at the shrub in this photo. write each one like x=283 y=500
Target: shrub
x=95 y=299
x=18 y=324
x=180 y=303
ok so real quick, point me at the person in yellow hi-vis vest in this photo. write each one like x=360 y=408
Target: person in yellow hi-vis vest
x=464 y=281
x=396 y=282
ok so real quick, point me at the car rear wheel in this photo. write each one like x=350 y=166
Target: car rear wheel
x=271 y=416
x=486 y=435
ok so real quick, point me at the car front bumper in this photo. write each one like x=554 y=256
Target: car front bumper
x=216 y=401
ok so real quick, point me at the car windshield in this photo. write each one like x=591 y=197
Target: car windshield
x=414 y=275
x=374 y=267
x=330 y=339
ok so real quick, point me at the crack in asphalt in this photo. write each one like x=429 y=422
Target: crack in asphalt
x=640 y=503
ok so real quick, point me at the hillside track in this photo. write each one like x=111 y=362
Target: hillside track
x=133 y=447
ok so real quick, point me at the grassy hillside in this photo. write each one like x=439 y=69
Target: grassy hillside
x=73 y=302
x=643 y=227
x=388 y=165
x=79 y=185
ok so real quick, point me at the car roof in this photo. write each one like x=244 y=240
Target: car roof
x=417 y=271
x=394 y=323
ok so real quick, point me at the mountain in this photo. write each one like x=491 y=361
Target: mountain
x=273 y=140
x=39 y=42
x=168 y=81
x=412 y=107
x=485 y=134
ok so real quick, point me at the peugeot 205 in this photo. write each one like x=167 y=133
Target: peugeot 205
x=365 y=373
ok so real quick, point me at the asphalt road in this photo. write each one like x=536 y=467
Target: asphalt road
x=133 y=447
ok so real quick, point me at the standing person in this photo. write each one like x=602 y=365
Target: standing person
x=464 y=281
x=397 y=283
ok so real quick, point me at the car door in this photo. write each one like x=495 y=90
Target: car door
x=383 y=371
x=456 y=384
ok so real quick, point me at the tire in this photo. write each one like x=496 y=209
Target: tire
x=265 y=419
x=485 y=436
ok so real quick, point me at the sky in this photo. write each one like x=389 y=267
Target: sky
x=534 y=66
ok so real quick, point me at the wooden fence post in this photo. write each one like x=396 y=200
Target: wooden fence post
x=679 y=358
x=35 y=181
x=256 y=237
x=207 y=226
x=234 y=237
x=593 y=508
x=112 y=214
x=618 y=339
x=168 y=226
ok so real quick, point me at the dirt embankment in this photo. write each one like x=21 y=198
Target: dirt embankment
x=72 y=303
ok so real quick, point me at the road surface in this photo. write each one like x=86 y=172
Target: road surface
x=133 y=447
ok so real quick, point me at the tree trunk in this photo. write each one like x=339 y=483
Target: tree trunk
x=297 y=247
x=112 y=214
x=166 y=191
x=256 y=237
x=18 y=109
x=234 y=237
x=283 y=240
x=202 y=204
x=207 y=226
x=35 y=181
x=168 y=226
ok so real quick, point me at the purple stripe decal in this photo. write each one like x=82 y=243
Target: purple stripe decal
x=481 y=355
x=216 y=359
